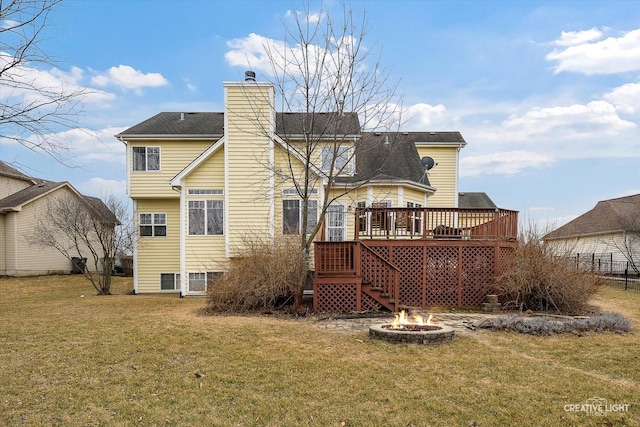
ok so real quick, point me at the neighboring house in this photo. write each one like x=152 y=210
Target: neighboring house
x=201 y=183
x=468 y=200
x=23 y=202
x=610 y=230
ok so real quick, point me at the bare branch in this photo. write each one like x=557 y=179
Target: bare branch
x=86 y=228
x=32 y=103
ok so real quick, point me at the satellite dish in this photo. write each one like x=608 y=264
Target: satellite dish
x=427 y=163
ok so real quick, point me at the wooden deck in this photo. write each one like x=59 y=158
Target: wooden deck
x=414 y=257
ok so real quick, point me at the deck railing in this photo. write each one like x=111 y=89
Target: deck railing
x=436 y=223
x=337 y=258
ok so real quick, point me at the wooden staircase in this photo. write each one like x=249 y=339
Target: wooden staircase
x=379 y=295
x=379 y=278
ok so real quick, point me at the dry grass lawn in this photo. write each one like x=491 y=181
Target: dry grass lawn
x=71 y=358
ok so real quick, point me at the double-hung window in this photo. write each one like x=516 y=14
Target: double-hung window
x=146 y=158
x=336 y=222
x=206 y=217
x=153 y=224
x=340 y=153
x=292 y=216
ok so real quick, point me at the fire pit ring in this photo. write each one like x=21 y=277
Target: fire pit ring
x=431 y=335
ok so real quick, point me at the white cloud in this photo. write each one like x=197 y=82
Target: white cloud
x=388 y=116
x=326 y=62
x=128 y=78
x=626 y=98
x=423 y=116
x=573 y=38
x=578 y=131
x=580 y=53
x=310 y=17
x=251 y=52
x=572 y=122
x=190 y=86
x=82 y=146
x=96 y=146
x=508 y=163
x=37 y=87
x=100 y=187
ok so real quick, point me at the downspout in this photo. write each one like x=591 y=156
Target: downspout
x=135 y=250
x=182 y=239
x=127 y=160
x=135 y=210
x=272 y=166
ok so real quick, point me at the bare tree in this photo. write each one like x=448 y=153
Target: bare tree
x=324 y=72
x=81 y=227
x=32 y=104
x=628 y=241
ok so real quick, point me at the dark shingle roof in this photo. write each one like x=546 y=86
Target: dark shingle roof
x=212 y=124
x=30 y=193
x=607 y=216
x=435 y=138
x=196 y=124
x=27 y=194
x=469 y=200
x=9 y=171
x=385 y=156
x=102 y=209
x=291 y=124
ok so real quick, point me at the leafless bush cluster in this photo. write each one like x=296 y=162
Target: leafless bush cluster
x=541 y=279
x=612 y=322
x=264 y=276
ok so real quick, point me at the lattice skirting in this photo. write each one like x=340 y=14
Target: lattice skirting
x=429 y=276
x=336 y=296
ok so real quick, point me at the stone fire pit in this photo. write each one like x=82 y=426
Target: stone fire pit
x=432 y=335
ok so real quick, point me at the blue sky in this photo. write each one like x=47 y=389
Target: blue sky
x=546 y=93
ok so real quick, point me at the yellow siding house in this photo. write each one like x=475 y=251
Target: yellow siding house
x=202 y=183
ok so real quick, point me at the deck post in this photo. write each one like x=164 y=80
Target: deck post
x=459 y=276
x=424 y=276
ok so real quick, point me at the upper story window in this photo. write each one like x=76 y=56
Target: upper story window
x=292 y=216
x=153 y=224
x=204 y=191
x=341 y=153
x=206 y=217
x=294 y=192
x=146 y=158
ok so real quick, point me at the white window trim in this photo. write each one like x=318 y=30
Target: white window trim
x=176 y=282
x=207 y=279
x=206 y=213
x=343 y=205
x=300 y=201
x=146 y=162
x=294 y=192
x=153 y=224
x=205 y=192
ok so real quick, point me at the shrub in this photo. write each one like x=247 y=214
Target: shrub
x=264 y=275
x=541 y=278
x=612 y=322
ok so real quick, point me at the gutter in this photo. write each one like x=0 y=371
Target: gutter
x=574 y=236
x=124 y=138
